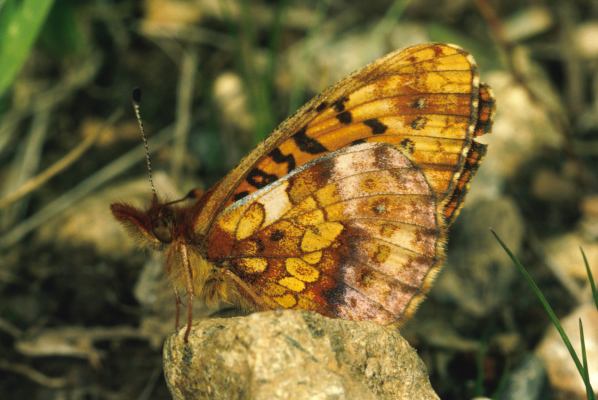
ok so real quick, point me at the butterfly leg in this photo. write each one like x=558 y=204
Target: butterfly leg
x=177 y=302
x=189 y=284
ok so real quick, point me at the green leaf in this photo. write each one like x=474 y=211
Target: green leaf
x=62 y=35
x=20 y=23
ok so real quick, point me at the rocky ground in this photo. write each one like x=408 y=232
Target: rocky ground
x=84 y=312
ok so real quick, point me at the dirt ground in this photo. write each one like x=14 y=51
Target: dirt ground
x=84 y=311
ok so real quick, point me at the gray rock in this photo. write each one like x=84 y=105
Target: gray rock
x=293 y=355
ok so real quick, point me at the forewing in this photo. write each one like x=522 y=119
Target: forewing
x=474 y=155
x=423 y=100
x=355 y=234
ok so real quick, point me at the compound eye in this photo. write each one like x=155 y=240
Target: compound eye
x=162 y=230
x=163 y=224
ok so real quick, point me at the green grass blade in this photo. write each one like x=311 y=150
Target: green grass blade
x=590 y=278
x=391 y=17
x=259 y=84
x=584 y=360
x=274 y=45
x=20 y=23
x=551 y=314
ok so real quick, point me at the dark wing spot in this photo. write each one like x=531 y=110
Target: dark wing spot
x=240 y=195
x=408 y=145
x=345 y=117
x=419 y=103
x=339 y=105
x=358 y=141
x=322 y=106
x=259 y=178
x=276 y=235
x=370 y=183
x=365 y=278
x=260 y=246
x=376 y=126
x=307 y=144
x=419 y=123
x=280 y=158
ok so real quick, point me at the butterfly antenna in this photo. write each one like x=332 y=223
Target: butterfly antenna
x=136 y=98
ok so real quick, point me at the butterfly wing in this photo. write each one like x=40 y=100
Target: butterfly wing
x=475 y=153
x=355 y=234
x=423 y=99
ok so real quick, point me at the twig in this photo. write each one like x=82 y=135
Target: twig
x=572 y=64
x=63 y=202
x=35 y=142
x=33 y=375
x=8 y=125
x=47 y=100
x=183 y=111
x=191 y=35
x=26 y=162
x=66 y=161
x=72 y=82
x=8 y=327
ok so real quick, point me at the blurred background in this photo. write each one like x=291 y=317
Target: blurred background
x=84 y=311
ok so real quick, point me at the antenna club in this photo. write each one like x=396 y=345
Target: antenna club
x=136 y=95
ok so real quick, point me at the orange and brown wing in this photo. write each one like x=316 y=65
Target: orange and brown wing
x=355 y=234
x=423 y=99
x=474 y=156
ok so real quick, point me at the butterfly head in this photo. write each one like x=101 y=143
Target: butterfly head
x=162 y=222
x=159 y=225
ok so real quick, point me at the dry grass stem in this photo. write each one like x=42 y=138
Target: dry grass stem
x=59 y=166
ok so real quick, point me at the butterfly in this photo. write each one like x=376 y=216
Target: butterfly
x=344 y=209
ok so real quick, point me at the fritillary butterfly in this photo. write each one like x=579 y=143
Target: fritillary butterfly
x=344 y=208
